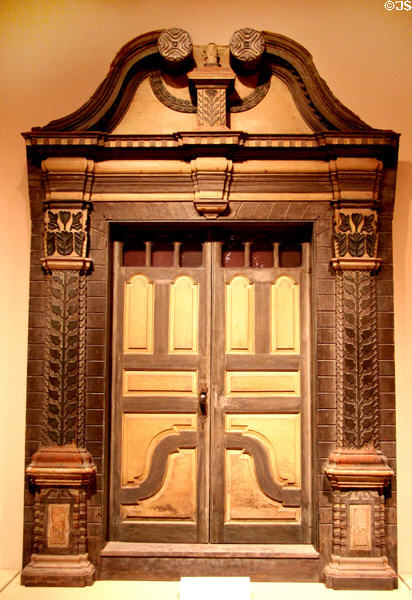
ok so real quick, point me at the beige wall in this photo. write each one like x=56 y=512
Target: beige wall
x=53 y=54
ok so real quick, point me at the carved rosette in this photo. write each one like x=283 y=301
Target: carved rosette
x=175 y=45
x=62 y=468
x=247 y=46
x=357 y=470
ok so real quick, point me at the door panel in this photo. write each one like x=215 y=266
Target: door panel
x=256 y=483
x=161 y=354
x=210 y=317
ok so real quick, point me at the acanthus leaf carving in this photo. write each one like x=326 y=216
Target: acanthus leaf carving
x=357 y=427
x=66 y=233
x=62 y=372
x=356 y=244
x=355 y=239
x=64 y=243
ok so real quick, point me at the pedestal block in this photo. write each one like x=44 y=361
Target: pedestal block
x=61 y=475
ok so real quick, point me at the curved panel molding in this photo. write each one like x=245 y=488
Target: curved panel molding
x=245 y=500
x=176 y=499
x=280 y=435
x=141 y=434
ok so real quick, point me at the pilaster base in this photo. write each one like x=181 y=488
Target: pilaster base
x=58 y=571
x=367 y=573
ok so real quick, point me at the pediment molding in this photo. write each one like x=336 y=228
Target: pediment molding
x=140 y=58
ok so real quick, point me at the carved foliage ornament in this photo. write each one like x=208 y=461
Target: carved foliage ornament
x=357 y=358
x=64 y=390
x=211 y=107
x=355 y=234
x=235 y=104
x=65 y=232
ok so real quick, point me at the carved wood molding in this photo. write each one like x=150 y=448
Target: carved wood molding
x=358 y=556
x=67 y=185
x=357 y=471
x=175 y=45
x=299 y=69
x=357 y=422
x=211 y=180
x=64 y=376
x=140 y=56
x=234 y=104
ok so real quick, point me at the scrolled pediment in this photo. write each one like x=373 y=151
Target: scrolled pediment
x=274 y=85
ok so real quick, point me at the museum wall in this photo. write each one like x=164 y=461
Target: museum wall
x=53 y=56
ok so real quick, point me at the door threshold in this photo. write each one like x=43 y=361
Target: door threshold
x=137 y=549
x=170 y=562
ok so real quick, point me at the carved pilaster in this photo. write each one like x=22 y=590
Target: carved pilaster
x=357 y=471
x=62 y=468
x=64 y=384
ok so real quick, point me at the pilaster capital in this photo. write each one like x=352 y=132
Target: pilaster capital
x=355 y=240
x=67 y=185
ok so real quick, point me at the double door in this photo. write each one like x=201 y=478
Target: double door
x=210 y=394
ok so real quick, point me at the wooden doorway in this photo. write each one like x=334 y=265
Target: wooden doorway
x=211 y=386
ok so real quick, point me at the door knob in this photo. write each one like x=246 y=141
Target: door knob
x=203 y=401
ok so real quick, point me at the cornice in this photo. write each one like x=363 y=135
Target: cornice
x=380 y=144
